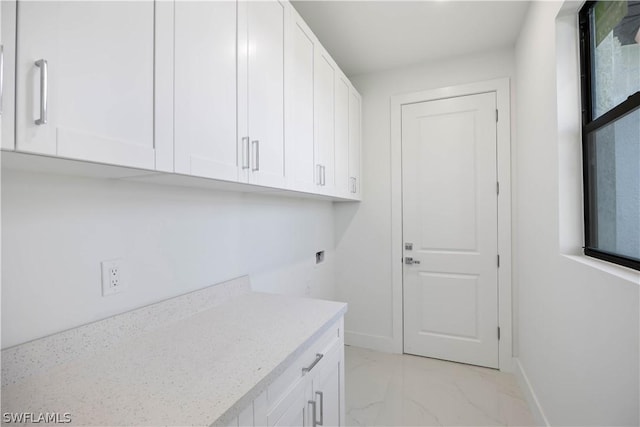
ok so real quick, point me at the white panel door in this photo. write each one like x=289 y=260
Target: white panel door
x=205 y=89
x=265 y=92
x=299 y=104
x=325 y=122
x=95 y=75
x=450 y=218
x=354 y=143
x=341 y=165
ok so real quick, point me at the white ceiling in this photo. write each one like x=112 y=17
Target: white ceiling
x=368 y=36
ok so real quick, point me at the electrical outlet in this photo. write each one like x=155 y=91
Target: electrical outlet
x=113 y=281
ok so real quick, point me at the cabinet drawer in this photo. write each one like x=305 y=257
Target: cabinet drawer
x=290 y=378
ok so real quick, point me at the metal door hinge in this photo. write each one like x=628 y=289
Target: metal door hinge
x=498 y=333
x=498 y=260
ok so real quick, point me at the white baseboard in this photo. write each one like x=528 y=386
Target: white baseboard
x=371 y=342
x=530 y=395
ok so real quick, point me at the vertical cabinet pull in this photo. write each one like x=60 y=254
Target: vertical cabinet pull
x=245 y=152
x=256 y=158
x=321 y=396
x=44 y=77
x=321 y=174
x=314 y=419
x=313 y=412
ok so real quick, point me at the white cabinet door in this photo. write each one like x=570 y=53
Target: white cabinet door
x=328 y=389
x=205 y=89
x=295 y=415
x=354 y=143
x=341 y=169
x=299 y=104
x=87 y=69
x=7 y=77
x=293 y=408
x=261 y=92
x=325 y=121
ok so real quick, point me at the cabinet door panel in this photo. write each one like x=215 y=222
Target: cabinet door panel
x=292 y=410
x=354 y=143
x=265 y=89
x=327 y=388
x=342 y=137
x=324 y=98
x=205 y=89
x=300 y=155
x=8 y=34
x=100 y=58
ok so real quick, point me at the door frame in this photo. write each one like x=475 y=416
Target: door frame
x=501 y=87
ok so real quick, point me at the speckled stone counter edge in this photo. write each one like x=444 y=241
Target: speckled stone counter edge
x=35 y=357
x=248 y=398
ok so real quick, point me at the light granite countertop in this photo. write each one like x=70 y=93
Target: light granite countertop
x=198 y=368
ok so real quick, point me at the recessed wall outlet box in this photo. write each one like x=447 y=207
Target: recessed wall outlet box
x=319 y=257
x=113 y=277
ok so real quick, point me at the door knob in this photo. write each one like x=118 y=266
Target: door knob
x=409 y=260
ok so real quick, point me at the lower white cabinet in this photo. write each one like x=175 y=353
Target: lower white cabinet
x=309 y=393
x=326 y=403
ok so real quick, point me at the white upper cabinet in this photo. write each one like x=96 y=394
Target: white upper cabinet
x=355 y=148
x=341 y=169
x=322 y=145
x=299 y=105
x=261 y=145
x=325 y=73
x=205 y=89
x=7 y=73
x=239 y=91
x=85 y=80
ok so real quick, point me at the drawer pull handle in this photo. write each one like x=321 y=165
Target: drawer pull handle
x=319 y=356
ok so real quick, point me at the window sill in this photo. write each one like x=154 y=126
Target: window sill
x=625 y=273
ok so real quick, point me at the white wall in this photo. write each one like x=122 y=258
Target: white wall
x=57 y=229
x=578 y=318
x=363 y=232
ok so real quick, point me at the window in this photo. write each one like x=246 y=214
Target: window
x=610 y=79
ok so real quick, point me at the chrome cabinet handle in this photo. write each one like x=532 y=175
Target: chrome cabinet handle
x=324 y=175
x=256 y=144
x=319 y=357
x=319 y=167
x=321 y=395
x=1 y=76
x=313 y=413
x=353 y=184
x=245 y=152
x=44 y=78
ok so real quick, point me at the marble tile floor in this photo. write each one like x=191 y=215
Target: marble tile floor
x=403 y=390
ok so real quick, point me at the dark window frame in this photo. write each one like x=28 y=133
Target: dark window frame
x=589 y=127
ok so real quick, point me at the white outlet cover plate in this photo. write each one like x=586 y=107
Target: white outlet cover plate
x=113 y=277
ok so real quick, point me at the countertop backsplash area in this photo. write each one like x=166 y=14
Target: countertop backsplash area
x=56 y=231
